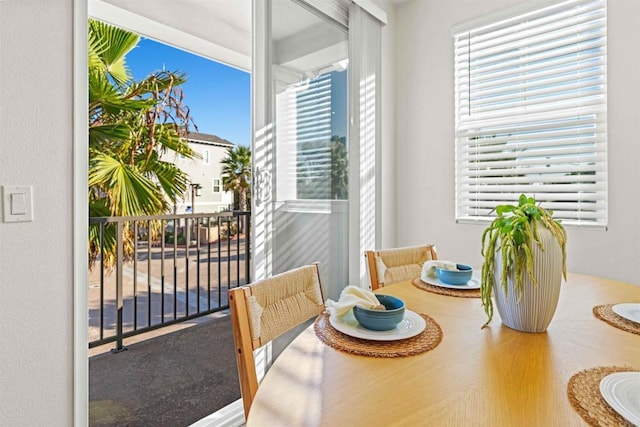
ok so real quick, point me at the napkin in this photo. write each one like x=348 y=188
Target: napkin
x=350 y=297
x=429 y=267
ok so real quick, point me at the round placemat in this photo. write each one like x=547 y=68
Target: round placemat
x=462 y=293
x=584 y=394
x=424 y=341
x=606 y=313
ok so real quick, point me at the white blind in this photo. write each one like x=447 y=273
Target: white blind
x=365 y=45
x=531 y=113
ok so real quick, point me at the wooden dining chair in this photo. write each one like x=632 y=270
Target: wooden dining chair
x=266 y=309
x=389 y=266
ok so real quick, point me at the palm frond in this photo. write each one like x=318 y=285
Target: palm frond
x=104 y=134
x=168 y=138
x=116 y=44
x=172 y=180
x=105 y=97
x=130 y=192
x=158 y=81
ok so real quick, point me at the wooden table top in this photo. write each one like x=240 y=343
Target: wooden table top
x=494 y=376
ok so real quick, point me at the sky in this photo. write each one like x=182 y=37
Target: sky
x=218 y=96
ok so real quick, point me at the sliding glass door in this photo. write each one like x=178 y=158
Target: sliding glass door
x=301 y=163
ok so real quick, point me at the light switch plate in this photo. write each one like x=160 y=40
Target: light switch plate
x=17 y=203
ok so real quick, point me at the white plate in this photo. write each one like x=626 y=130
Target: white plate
x=410 y=326
x=474 y=283
x=630 y=311
x=622 y=392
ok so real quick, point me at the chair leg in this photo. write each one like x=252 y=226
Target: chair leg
x=373 y=270
x=243 y=347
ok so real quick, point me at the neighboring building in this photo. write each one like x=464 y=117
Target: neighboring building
x=207 y=172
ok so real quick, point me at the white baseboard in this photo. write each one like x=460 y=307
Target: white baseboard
x=231 y=415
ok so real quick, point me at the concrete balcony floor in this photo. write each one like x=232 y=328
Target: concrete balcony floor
x=173 y=376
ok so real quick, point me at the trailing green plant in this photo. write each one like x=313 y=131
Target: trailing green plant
x=512 y=235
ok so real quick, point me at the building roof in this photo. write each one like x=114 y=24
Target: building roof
x=207 y=139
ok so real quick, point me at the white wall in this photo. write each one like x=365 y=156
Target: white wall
x=424 y=138
x=36 y=258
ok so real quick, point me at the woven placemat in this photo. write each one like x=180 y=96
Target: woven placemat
x=424 y=341
x=584 y=394
x=462 y=293
x=606 y=313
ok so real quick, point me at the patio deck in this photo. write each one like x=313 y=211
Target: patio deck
x=171 y=379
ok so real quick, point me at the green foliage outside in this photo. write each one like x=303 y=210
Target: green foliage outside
x=323 y=170
x=131 y=124
x=236 y=174
x=339 y=168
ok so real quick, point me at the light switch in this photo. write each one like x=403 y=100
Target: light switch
x=17 y=203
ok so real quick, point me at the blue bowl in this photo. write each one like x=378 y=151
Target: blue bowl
x=381 y=320
x=455 y=277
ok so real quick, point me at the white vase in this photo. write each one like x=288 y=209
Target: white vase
x=536 y=307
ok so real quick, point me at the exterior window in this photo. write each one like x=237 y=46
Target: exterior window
x=313 y=113
x=531 y=113
x=318 y=144
x=216 y=185
x=205 y=157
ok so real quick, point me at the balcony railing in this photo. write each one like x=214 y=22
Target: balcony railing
x=172 y=268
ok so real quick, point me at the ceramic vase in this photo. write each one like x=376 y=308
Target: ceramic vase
x=537 y=305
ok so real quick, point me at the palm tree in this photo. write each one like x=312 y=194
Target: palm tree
x=131 y=124
x=236 y=173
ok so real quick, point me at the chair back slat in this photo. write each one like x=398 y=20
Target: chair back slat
x=263 y=310
x=395 y=265
x=287 y=300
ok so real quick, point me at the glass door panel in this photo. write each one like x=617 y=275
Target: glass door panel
x=302 y=154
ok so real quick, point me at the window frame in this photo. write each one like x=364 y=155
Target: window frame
x=214 y=185
x=586 y=208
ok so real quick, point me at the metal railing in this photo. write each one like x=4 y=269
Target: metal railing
x=168 y=269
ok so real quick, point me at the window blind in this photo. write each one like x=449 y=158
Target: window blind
x=531 y=113
x=365 y=103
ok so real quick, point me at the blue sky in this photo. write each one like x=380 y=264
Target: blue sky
x=218 y=96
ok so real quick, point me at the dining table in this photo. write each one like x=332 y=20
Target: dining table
x=473 y=376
